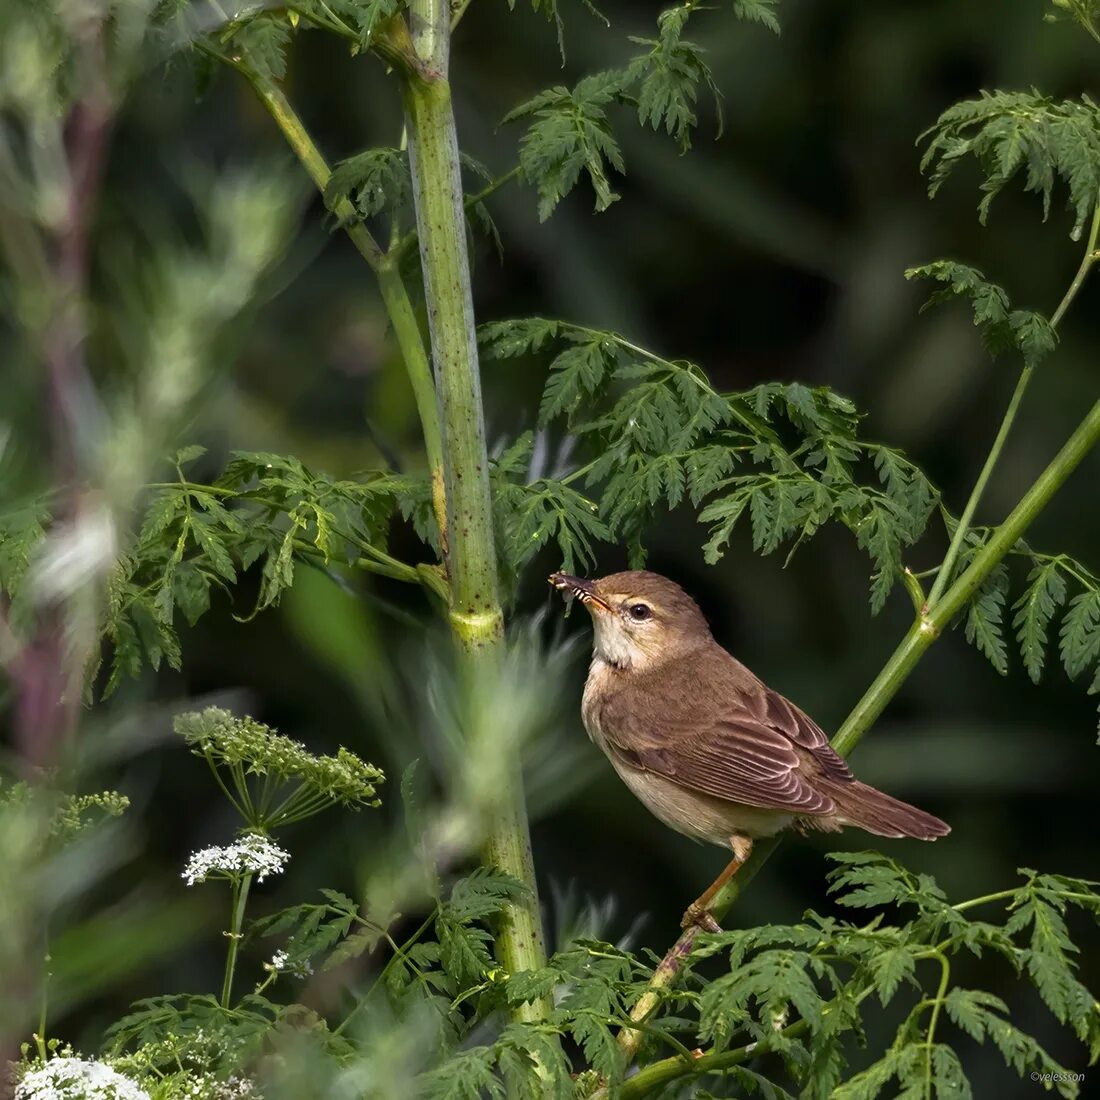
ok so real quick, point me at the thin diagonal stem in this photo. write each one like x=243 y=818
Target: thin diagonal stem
x=962 y=529
x=395 y=295
x=408 y=241
x=399 y=953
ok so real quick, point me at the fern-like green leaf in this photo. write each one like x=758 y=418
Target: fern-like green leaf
x=984 y=1016
x=660 y=435
x=758 y=11
x=1012 y=132
x=1080 y=633
x=263 y=41
x=570 y=133
x=467 y=1075
x=984 y=618
x=669 y=77
x=375 y=180
x=1046 y=591
x=1001 y=327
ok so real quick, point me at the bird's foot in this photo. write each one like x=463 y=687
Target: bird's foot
x=695 y=916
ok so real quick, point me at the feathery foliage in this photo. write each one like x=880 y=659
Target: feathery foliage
x=1059 y=607
x=374 y=180
x=780 y=1009
x=570 y=131
x=1028 y=332
x=786 y=457
x=794 y=996
x=264 y=510
x=1010 y=132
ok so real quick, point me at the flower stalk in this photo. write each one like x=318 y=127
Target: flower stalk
x=236 y=923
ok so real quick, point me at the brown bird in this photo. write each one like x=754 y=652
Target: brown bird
x=709 y=748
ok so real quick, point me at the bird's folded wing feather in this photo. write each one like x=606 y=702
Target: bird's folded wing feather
x=757 y=749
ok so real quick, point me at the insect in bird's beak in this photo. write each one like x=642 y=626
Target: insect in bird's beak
x=577 y=587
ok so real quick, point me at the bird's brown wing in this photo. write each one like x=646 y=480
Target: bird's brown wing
x=730 y=736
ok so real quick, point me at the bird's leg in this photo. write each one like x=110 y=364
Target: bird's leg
x=698 y=912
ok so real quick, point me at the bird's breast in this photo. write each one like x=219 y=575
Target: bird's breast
x=692 y=813
x=598 y=689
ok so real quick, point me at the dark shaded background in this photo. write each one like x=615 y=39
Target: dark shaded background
x=775 y=252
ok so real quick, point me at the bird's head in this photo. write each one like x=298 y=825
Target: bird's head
x=640 y=619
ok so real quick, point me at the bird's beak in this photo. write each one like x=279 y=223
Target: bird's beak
x=583 y=590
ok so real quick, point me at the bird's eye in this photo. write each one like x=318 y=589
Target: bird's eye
x=639 y=612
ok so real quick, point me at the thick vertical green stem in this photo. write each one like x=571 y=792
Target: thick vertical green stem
x=236 y=923
x=475 y=612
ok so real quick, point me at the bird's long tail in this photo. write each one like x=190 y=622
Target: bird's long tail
x=878 y=813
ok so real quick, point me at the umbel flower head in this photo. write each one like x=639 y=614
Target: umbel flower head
x=69 y=814
x=71 y=1078
x=251 y=854
x=246 y=748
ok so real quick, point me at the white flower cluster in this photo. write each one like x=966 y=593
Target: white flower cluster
x=237 y=1088
x=253 y=854
x=77 y=1079
x=280 y=964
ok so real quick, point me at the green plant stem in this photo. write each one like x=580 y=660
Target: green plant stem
x=408 y=241
x=885 y=686
x=475 y=614
x=653 y=1076
x=934 y=1019
x=312 y=160
x=656 y=1074
x=225 y=790
x=43 y=1006
x=395 y=295
x=406 y=329
x=236 y=922
x=660 y=1073
x=1087 y=261
x=962 y=529
x=398 y=953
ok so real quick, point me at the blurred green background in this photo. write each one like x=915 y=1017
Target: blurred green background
x=773 y=252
